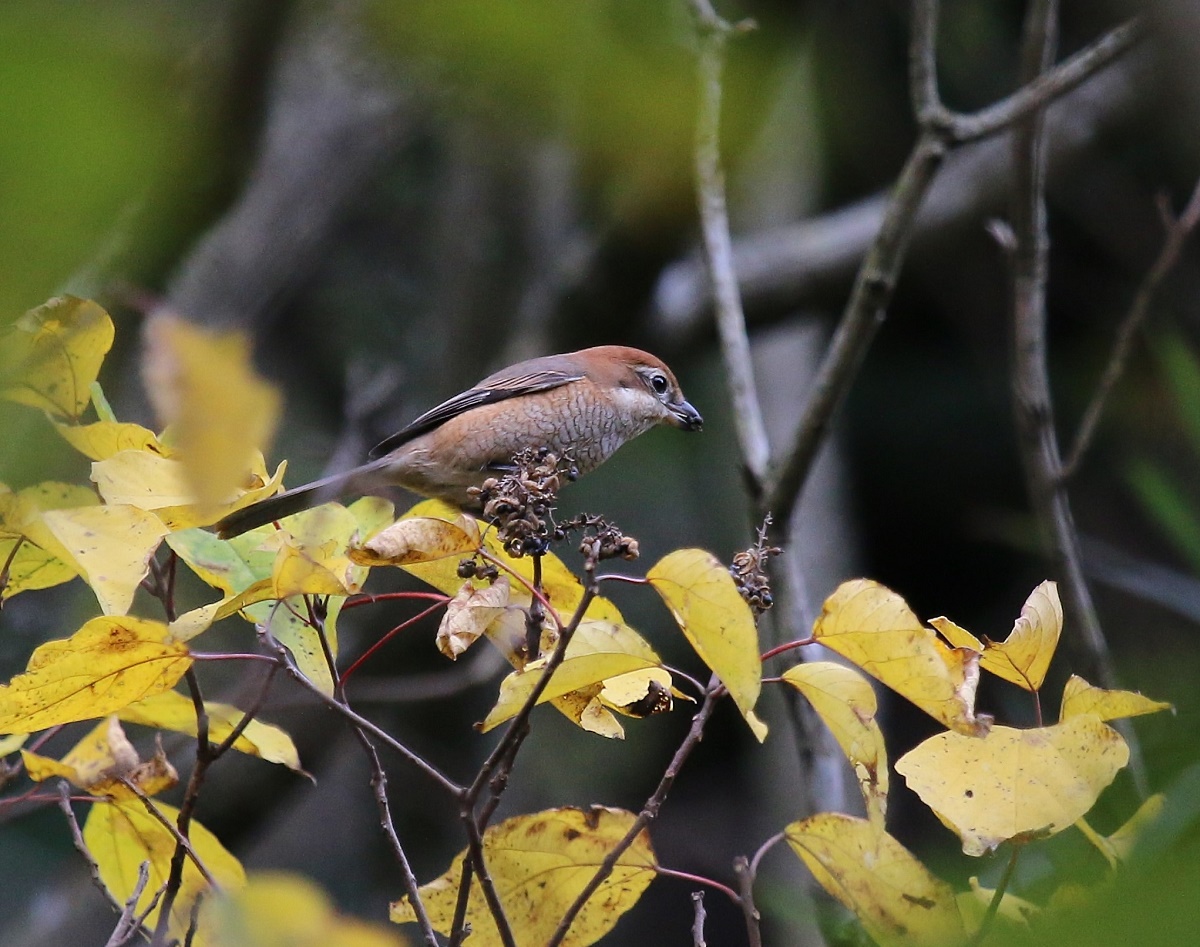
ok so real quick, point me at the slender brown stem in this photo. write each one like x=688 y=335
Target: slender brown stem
x=182 y=843
x=379 y=787
x=360 y=721
x=1177 y=233
x=745 y=877
x=1032 y=398
x=183 y=821
x=718 y=250
x=646 y=817
x=997 y=897
x=1043 y=89
x=698 y=918
x=699 y=880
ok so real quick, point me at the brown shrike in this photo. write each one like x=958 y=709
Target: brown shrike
x=582 y=404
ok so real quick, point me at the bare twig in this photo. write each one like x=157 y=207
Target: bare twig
x=493 y=773
x=1032 y=398
x=129 y=924
x=1047 y=86
x=181 y=841
x=183 y=821
x=777 y=268
x=1177 y=233
x=745 y=878
x=360 y=721
x=997 y=897
x=379 y=786
x=864 y=314
x=648 y=814
x=698 y=919
x=718 y=250
x=64 y=803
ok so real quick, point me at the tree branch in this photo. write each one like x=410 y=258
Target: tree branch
x=648 y=814
x=1032 y=399
x=779 y=267
x=718 y=251
x=1177 y=233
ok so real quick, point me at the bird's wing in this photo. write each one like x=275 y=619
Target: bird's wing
x=497 y=389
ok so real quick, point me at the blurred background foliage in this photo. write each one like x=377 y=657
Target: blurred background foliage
x=394 y=199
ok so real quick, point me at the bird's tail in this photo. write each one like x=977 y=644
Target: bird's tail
x=295 y=500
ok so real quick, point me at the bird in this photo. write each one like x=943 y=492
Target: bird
x=583 y=405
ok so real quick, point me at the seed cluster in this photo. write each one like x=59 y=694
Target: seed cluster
x=749 y=571
x=520 y=504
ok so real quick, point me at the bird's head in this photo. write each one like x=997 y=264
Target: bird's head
x=644 y=383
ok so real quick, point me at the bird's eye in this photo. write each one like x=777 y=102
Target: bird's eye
x=659 y=383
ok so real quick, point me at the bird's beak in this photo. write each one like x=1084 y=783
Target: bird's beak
x=684 y=416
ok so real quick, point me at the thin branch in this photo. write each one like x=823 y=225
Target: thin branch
x=698 y=919
x=864 y=314
x=646 y=817
x=182 y=843
x=777 y=268
x=922 y=64
x=512 y=734
x=1177 y=233
x=379 y=786
x=699 y=880
x=64 y=803
x=1047 y=86
x=183 y=821
x=129 y=924
x=1032 y=399
x=997 y=897
x=360 y=721
x=486 y=884
x=718 y=250
x=745 y=877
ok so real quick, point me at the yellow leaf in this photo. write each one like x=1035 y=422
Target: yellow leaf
x=586 y=707
x=539 y=863
x=639 y=693
x=574 y=674
x=894 y=896
x=106 y=665
x=111 y=547
x=1116 y=848
x=52 y=354
x=121 y=835
x=171 y=710
x=1014 y=783
x=103 y=753
x=102 y=439
x=468 y=615
x=12 y=743
x=203 y=385
x=1024 y=656
x=872 y=627
x=1080 y=697
x=152 y=482
x=244 y=568
x=715 y=618
x=188 y=625
x=279 y=909
x=39 y=561
x=417 y=539
x=101 y=760
x=846 y=703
